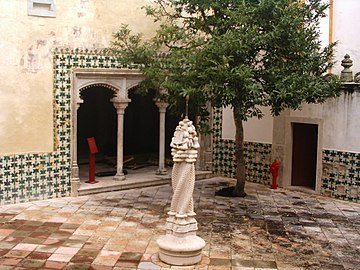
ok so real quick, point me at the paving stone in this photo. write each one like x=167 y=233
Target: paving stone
x=9 y=261
x=39 y=255
x=268 y=229
x=77 y=266
x=130 y=256
x=31 y=263
x=17 y=253
x=55 y=265
x=219 y=262
x=243 y=263
x=82 y=259
x=148 y=266
x=60 y=257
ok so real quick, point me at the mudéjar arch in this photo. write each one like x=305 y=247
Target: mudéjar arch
x=119 y=81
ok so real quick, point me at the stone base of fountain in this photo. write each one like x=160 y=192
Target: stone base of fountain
x=181 y=245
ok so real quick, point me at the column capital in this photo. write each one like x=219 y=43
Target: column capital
x=120 y=104
x=79 y=101
x=162 y=105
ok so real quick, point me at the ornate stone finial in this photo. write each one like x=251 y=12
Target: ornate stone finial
x=346 y=73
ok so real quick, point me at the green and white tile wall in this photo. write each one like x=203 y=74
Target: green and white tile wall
x=43 y=176
x=341 y=175
x=257 y=156
x=34 y=176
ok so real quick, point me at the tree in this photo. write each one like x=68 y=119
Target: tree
x=238 y=53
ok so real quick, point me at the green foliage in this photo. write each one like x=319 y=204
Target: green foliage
x=239 y=53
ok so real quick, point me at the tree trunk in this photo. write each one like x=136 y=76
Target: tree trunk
x=239 y=157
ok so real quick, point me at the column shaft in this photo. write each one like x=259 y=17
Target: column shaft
x=120 y=106
x=162 y=110
x=75 y=179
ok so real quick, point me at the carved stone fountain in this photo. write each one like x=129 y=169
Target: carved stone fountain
x=181 y=245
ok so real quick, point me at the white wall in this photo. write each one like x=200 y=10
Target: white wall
x=325 y=28
x=341 y=127
x=255 y=130
x=346 y=32
x=340 y=116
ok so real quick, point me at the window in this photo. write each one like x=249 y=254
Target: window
x=43 y=8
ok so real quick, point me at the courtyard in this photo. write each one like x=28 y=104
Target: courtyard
x=269 y=229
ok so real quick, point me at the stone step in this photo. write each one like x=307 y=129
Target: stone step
x=108 y=184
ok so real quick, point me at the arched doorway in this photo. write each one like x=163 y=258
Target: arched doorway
x=97 y=118
x=119 y=81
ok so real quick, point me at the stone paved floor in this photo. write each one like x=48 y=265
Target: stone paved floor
x=269 y=229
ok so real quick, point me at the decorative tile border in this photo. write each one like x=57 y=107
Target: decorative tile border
x=257 y=156
x=341 y=175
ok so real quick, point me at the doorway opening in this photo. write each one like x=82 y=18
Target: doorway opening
x=141 y=131
x=97 y=118
x=304 y=155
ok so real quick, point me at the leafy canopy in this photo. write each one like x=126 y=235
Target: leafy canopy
x=239 y=53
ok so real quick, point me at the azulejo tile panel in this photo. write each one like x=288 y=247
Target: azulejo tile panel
x=34 y=177
x=257 y=155
x=341 y=175
x=43 y=176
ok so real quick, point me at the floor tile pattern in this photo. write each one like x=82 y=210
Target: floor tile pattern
x=267 y=230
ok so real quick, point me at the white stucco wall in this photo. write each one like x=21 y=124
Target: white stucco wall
x=339 y=116
x=255 y=130
x=26 y=65
x=325 y=28
x=346 y=32
x=340 y=121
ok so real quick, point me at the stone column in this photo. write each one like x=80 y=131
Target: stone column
x=181 y=245
x=120 y=106
x=75 y=179
x=162 y=110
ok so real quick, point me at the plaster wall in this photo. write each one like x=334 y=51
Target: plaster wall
x=342 y=28
x=340 y=128
x=346 y=32
x=325 y=27
x=255 y=130
x=26 y=69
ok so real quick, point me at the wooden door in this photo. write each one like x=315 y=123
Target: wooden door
x=304 y=155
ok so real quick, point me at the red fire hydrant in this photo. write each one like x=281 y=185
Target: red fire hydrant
x=274 y=169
